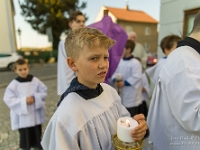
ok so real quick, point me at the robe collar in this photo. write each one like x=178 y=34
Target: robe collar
x=128 y=58
x=27 y=79
x=188 y=41
x=81 y=90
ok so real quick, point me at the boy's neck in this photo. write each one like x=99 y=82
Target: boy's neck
x=128 y=55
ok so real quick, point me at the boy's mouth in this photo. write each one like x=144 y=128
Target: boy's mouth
x=102 y=73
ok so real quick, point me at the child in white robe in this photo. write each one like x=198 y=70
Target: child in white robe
x=167 y=44
x=145 y=92
x=25 y=98
x=131 y=83
x=87 y=114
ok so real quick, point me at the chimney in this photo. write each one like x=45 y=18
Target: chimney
x=126 y=7
x=105 y=12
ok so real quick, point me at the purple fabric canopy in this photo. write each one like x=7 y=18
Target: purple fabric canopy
x=118 y=34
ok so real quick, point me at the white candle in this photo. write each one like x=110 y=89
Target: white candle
x=118 y=77
x=125 y=126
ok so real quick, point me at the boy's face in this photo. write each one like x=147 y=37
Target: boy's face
x=91 y=66
x=22 y=70
x=126 y=52
x=78 y=23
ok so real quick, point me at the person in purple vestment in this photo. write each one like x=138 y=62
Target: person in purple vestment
x=117 y=33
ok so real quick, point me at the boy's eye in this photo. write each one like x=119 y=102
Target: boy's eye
x=106 y=57
x=79 y=21
x=94 y=58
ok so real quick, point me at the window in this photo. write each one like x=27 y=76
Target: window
x=147 y=31
x=147 y=46
x=188 y=21
x=128 y=29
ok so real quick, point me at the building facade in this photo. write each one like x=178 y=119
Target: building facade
x=176 y=17
x=138 y=21
x=7 y=33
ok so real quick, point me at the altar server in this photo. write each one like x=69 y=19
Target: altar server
x=87 y=114
x=65 y=74
x=131 y=83
x=167 y=44
x=25 y=97
x=174 y=113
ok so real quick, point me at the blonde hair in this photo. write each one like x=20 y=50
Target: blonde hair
x=77 y=39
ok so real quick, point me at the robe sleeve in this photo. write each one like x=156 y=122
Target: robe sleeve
x=136 y=75
x=145 y=84
x=144 y=57
x=57 y=137
x=184 y=98
x=40 y=95
x=17 y=105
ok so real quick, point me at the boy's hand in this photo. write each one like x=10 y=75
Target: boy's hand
x=119 y=84
x=143 y=89
x=30 y=100
x=139 y=132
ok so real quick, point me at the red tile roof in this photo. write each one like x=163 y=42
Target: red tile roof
x=131 y=15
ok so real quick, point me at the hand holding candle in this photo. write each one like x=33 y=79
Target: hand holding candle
x=125 y=126
x=118 y=79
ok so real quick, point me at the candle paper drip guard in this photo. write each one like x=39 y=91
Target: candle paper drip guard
x=120 y=145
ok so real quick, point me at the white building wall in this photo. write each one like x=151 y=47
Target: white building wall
x=7 y=33
x=172 y=17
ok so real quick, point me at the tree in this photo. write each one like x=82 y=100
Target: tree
x=42 y=14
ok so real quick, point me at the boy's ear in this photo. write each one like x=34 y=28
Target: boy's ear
x=129 y=49
x=70 y=24
x=71 y=63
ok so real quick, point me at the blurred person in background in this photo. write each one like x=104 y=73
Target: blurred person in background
x=167 y=44
x=64 y=73
x=130 y=84
x=25 y=97
x=139 y=50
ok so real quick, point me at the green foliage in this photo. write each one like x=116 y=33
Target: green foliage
x=42 y=14
x=39 y=55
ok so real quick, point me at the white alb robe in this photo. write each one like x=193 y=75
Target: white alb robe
x=145 y=84
x=80 y=124
x=154 y=71
x=64 y=73
x=131 y=71
x=140 y=52
x=23 y=115
x=174 y=113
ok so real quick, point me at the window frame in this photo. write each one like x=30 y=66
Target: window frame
x=186 y=14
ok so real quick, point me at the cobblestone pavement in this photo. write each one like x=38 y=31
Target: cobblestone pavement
x=9 y=140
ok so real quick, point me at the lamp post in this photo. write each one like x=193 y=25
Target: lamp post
x=19 y=33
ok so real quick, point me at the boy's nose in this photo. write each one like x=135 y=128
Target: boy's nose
x=103 y=64
x=82 y=24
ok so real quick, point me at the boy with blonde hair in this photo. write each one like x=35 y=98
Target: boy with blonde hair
x=89 y=109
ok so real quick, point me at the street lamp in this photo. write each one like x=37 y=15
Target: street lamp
x=19 y=33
